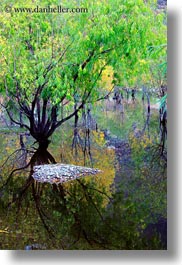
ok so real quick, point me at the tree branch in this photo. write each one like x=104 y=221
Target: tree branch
x=12 y=119
x=45 y=73
x=84 y=100
x=84 y=64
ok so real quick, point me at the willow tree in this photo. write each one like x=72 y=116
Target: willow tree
x=52 y=61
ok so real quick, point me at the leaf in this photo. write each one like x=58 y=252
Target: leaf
x=162 y=101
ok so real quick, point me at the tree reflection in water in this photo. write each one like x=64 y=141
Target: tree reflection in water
x=79 y=214
x=64 y=201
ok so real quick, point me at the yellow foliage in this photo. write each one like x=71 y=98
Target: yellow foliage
x=98 y=138
x=139 y=144
x=107 y=78
x=4 y=231
x=102 y=158
x=142 y=62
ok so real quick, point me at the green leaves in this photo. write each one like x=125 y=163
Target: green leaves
x=162 y=102
x=59 y=55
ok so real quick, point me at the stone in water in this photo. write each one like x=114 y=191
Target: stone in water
x=60 y=173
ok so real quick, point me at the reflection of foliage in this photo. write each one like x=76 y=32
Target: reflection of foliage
x=147 y=186
x=83 y=214
x=138 y=146
x=102 y=157
x=163 y=123
x=91 y=226
x=76 y=218
x=86 y=214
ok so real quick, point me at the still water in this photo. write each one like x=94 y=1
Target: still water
x=124 y=207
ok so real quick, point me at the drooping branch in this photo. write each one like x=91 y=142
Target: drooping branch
x=12 y=119
x=76 y=110
x=50 y=66
x=59 y=123
x=37 y=94
x=41 y=213
x=84 y=64
x=17 y=95
x=45 y=123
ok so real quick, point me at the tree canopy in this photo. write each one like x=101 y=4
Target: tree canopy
x=51 y=60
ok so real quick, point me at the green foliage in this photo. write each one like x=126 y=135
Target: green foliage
x=162 y=102
x=66 y=53
x=65 y=58
x=85 y=214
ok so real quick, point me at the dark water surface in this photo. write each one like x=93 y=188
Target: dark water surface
x=122 y=208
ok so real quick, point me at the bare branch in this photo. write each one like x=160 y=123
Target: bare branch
x=12 y=119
